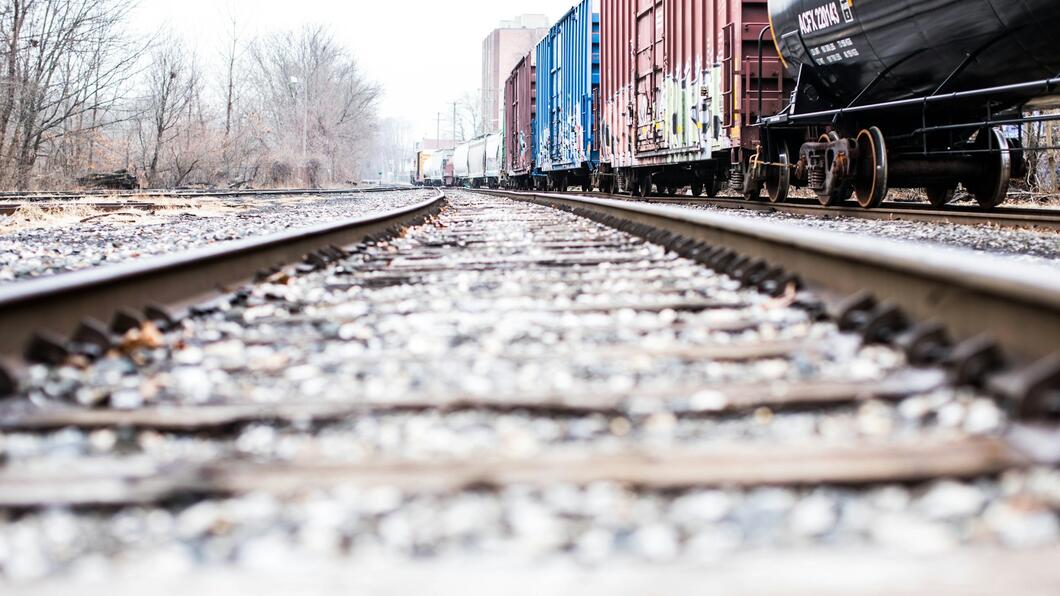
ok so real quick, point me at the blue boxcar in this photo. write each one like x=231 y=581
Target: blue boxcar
x=568 y=80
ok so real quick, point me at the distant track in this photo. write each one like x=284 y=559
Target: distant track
x=12 y=208
x=56 y=305
x=8 y=196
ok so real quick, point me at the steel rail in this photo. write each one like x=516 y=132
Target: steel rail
x=161 y=193
x=58 y=304
x=13 y=208
x=1016 y=304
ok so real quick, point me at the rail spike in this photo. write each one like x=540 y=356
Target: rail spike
x=91 y=339
x=8 y=382
x=124 y=321
x=1033 y=391
x=46 y=348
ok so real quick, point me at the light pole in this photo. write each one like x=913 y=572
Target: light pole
x=295 y=81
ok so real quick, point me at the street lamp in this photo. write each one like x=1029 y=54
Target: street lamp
x=295 y=81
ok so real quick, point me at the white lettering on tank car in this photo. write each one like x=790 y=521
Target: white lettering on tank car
x=822 y=17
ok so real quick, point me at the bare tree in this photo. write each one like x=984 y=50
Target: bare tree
x=315 y=101
x=470 y=119
x=393 y=149
x=172 y=90
x=64 y=60
x=78 y=93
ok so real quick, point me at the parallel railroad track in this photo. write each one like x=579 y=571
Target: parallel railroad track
x=1011 y=217
x=13 y=208
x=60 y=304
x=521 y=348
x=29 y=197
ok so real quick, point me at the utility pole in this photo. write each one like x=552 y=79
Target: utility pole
x=305 y=122
x=454 y=122
x=438 y=129
x=295 y=82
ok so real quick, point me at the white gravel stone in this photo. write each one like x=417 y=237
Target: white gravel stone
x=814 y=516
x=1021 y=524
x=949 y=500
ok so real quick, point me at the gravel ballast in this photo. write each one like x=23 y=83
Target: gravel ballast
x=506 y=302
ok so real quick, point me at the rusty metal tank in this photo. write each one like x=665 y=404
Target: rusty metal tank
x=921 y=47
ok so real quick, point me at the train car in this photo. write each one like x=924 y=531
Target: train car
x=419 y=167
x=567 y=84
x=920 y=100
x=680 y=85
x=434 y=174
x=461 y=171
x=476 y=162
x=494 y=160
x=520 y=103
x=448 y=169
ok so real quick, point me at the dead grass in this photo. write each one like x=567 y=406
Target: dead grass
x=33 y=217
x=36 y=217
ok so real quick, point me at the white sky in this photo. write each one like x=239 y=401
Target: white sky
x=425 y=53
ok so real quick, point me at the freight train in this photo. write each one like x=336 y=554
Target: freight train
x=477 y=163
x=846 y=98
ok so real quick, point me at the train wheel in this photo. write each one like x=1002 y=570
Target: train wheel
x=644 y=186
x=991 y=189
x=870 y=180
x=714 y=184
x=778 y=179
x=671 y=190
x=586 y=187
x=940 y=196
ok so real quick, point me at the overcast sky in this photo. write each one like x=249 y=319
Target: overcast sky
x=426 y=53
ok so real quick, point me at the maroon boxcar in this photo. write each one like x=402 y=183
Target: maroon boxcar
x=679 y=83
x=520 y=102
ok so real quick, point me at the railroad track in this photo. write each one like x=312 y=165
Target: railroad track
x=64 y=305
x=547 y=371
x=1017 y=305
x=109 y=206
x=44 y=196
x=1011 y=217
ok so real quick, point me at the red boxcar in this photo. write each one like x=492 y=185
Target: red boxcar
x=680 y=82
x=520 y=101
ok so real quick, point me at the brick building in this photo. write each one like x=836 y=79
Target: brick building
x=501 y=49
